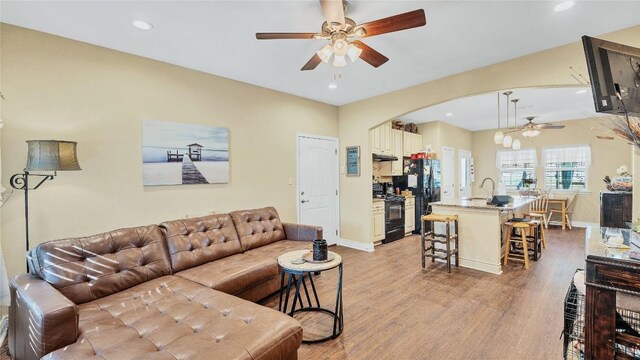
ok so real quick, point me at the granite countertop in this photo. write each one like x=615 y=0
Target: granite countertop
x=481 y=203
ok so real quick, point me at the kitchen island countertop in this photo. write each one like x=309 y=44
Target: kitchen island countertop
x=480 y=203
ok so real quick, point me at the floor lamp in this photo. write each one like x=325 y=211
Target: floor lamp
x=43 y=155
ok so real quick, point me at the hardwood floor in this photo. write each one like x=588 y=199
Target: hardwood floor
x=394 y=310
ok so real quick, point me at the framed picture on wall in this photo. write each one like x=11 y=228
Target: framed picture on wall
x=353 y=160
x=175 y=153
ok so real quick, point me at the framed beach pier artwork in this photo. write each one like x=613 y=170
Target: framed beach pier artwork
x=179 y=153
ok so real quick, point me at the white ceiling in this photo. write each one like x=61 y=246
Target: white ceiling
x=480 y=112
x=218 y=37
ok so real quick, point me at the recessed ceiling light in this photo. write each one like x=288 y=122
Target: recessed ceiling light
x=565 y=5
x=142 y=25
x=333 y=86
x=582 y=91
x=448 y=114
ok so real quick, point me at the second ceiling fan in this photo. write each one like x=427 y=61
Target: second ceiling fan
x=341 y=31
x=532 y=129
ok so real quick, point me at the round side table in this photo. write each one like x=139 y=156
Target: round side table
x=296 y=274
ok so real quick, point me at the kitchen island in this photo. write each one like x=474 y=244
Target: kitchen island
x=480 y=229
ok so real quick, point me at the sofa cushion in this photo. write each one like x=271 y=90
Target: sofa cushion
x=173 y=318
x=232 y=274
x=258 y=227
x=89 y=268
x=273 y=251
x=192 y=242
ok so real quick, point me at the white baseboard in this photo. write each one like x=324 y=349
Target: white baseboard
x=578 y=224
x=481 y=265
x=368 y=247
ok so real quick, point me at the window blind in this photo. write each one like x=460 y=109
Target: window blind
x=516 y=159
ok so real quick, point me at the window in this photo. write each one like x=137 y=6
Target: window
x=517 y=168
x=566 y=167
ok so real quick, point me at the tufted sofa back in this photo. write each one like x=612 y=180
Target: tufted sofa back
x=196 y=241
x=89 y=268
x=258 y=227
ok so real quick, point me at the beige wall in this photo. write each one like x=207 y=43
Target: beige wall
x=63 y=89
x=439 y=134
x=606 y=157
x=546 y=68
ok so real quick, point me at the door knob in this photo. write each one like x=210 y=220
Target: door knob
x=304 y=201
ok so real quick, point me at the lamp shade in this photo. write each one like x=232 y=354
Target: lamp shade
x=506 y=142
x=52 y=155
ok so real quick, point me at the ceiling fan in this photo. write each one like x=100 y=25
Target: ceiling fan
x=532 y=129
x=342 y=31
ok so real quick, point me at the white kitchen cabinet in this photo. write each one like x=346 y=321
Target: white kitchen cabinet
x=385 y=138
x=409 y=215
x=374 y=138
x=416 y=143
x=406 y=144
x=412 y=143
x=397 y=151
x=377 y=224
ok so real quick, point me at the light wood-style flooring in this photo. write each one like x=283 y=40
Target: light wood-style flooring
x=394 y=310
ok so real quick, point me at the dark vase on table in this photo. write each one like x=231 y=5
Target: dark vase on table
x=320 y=250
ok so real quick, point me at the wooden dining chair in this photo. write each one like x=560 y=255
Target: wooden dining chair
x=539 y=209
x=567 y=210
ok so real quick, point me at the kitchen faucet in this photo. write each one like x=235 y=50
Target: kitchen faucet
x=493 y=186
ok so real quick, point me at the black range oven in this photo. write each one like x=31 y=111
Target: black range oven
x=393 y=218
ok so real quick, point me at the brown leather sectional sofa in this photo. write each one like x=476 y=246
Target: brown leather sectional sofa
x=177 y=290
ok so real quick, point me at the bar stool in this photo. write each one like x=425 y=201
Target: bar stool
x=524 y=227
x=432 y=238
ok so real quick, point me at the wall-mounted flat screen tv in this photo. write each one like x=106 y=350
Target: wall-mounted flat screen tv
x=614 y=70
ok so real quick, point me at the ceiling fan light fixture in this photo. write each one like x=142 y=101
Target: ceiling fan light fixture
x=516 y=144
x=531 y=133
x=339 y=61
x=340 y=47
x=354 y=52
x=507 y=141
x=325 y=53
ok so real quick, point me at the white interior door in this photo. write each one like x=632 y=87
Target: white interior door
x=464 y=160
x=448 y=170
x=318 y=184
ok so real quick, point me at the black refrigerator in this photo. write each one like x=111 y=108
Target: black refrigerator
x=423 y=177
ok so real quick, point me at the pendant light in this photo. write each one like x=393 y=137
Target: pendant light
x=498 y=136
x=516 y=142
x=507 y=140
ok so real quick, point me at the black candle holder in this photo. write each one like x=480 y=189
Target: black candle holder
x=320 y=252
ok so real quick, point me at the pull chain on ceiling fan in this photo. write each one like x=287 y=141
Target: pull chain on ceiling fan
x=342 y=32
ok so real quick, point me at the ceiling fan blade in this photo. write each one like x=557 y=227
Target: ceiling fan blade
x=333 y=11
x=370 y=55
x=408 y=20
x=312 y=63
x=275 y=36
x=549 y=126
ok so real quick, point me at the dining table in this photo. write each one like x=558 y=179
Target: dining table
x=562 y=200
